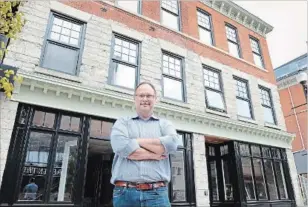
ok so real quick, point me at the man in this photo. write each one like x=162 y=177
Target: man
x=31 y=190
x=141 y=166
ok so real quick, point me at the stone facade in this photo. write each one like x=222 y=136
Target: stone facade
x=25 y=53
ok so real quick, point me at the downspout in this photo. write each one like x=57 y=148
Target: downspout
x=296 y=118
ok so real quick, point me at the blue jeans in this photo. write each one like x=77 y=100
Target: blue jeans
x=131 y=197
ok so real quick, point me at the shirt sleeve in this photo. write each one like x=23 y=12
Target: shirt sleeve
x=121 y=143
x=170 y=138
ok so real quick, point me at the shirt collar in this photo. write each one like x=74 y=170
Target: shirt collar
x=153 y=117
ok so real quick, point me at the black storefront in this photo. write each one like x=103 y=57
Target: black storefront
x=68 y=156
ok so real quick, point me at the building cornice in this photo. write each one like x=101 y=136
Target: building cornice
x=125 y=101
x=240 y=15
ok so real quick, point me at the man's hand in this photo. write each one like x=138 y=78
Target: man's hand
x=154 y=145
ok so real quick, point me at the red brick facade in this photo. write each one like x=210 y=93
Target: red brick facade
x=296 y=119
x=188 y=13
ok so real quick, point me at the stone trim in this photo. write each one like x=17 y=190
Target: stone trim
x=125 y=101
x=240 y=15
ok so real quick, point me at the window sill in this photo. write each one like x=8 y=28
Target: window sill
x=120 y=89
x=57 y=74
x=217 y=113
x=174 y=103
x=247 y=120
x=273 y=126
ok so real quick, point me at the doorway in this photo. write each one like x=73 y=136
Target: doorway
x=98 y=189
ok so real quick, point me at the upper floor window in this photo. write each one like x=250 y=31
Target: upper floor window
x=63 y=44
x=173 y=81
x=233 y=43
x=267 y=104
x=124 y=62
x=170 y=14
x=205 y=27
x=214 y=95
x=243 y=100
x=131 y=5
x=256 y=51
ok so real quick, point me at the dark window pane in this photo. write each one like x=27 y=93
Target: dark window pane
x=64 y=168
x=60 y=58
x=265 y=97
x=227 y=181
x=215 y=99
x=223 y=150
x=34 y=171
x=256 y=151
x=231 y=34
x=173 y=89
x=244 y=149
x=281 y=180
x=254 y=46
x=270 y=178
x=266 y=152
x=211 y=151
x=248 y=179
x=70 y=123
x=178 y=176
x=276 y=153
x=23 y=114
x=243 y=108
x=100 y=129
x=170 y=20
x=43 y=119
x=213 y=173
x=124 y=75
x=259 y=179
x=241 y=89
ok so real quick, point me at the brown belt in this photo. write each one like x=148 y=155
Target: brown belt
x=140 y=186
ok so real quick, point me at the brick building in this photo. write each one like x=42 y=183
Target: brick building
x=210 y=64
x=294 y=106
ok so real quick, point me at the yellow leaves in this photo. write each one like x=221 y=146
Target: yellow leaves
x=5 y=83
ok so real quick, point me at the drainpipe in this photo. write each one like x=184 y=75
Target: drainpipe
x=296 y=118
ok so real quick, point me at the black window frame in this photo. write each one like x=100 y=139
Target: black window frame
x=248 y=99
x=237 y=39
x=48 y=40
x=283 y=160
x=177 y=15
x=251 y=38
x=189 y=172
x=114 y=60
x=183 y=79
x=139 y=6
x=262 y=88
x=211 y=30
x=221 y=91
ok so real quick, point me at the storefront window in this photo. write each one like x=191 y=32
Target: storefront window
x=263 y=172
x=214 y=183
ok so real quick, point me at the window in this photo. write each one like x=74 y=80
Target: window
x=170 y=14
x=263 y=172
x=125 y=62
x=205 y=27
x=63 y=44
x=214 y=96
x=256 y=51
x=131 y=5
x=243 y=101
x=173 y=82
x=267 y=104
x=182 y=180
x=233 y=43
